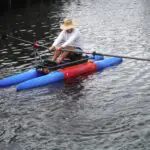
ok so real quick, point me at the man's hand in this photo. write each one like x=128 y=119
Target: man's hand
x=52 y=48
x=58 y=48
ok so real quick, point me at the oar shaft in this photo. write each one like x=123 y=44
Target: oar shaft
x=122 y=56
x=25 y=41
x=110 y=55
x=19 y=39
x=35 y=45
x=103 y=54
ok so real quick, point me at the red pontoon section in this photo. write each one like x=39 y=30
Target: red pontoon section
x=77 y=70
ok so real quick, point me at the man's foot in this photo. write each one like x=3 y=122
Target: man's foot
x=59 y=61
x=50 y=63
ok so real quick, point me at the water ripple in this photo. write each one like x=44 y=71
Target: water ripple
x=105 y=110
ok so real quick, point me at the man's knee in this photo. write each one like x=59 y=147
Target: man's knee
x=58 y=49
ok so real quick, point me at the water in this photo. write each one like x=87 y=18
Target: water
x=108 y=110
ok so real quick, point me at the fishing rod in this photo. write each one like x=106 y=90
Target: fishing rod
x=36 y=45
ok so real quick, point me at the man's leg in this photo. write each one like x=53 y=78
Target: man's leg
x=62 y=57
x=65 y=54
x=56 y=54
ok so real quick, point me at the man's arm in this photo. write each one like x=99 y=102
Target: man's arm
x=71 y=39
x=58 y=40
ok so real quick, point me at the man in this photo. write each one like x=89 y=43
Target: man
x=69 y=39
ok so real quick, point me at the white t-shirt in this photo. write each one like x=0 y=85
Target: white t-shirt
x=73 y=39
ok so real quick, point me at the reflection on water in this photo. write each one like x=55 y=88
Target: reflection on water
x=104 y=110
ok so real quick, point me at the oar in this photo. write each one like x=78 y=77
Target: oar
x=35 y=44
x=121 y=56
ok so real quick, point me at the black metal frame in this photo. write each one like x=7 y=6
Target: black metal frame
x=48 y=69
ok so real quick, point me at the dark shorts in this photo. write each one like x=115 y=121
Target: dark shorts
x=75 y=55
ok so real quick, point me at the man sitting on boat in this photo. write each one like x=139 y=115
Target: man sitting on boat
x=69 y=39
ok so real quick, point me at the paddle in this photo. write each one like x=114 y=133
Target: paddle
x=36 y=45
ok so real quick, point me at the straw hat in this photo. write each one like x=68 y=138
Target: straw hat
x=68 y=24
